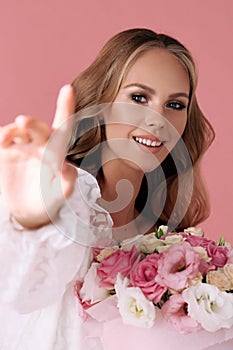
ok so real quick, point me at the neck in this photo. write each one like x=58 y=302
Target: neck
x=119 y=189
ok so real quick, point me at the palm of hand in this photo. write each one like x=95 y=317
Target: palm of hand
x=34 y=180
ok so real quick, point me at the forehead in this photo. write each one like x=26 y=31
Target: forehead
x=159 y=66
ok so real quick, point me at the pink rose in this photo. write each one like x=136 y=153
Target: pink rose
x=205 y=267
x=174 y=311
x=120 y=261
x=143 y=276
x=218 y=254
x=195 y=241
x=177 y=265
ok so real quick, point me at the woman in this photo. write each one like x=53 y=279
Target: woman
x=138 y=129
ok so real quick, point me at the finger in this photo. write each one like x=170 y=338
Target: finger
x=65 y=105
x=37 y=130
x=11 y=134
x=63 y=122
x=24 y=130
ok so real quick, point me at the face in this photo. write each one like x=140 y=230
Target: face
x=150 y=110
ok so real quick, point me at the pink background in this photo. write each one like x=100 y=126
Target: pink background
x=46 y=43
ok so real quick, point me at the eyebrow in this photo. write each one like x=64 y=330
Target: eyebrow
x=152 y=91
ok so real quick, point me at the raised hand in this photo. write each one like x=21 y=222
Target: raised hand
x=34 y=179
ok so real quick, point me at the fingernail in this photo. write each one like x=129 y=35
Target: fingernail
x=66 y=87
x=20 y=120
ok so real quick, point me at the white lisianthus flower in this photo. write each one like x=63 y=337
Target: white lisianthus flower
x=90 y=290
x=208 y=305
x=133 y=306
x=194 y=231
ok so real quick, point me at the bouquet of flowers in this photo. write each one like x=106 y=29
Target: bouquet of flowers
x=185 y=275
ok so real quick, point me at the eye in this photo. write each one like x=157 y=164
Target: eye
x=176 y=105
x=139 y=98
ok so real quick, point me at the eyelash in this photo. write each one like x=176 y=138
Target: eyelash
x=136 y=98
x=179 y=106
x=176 y=105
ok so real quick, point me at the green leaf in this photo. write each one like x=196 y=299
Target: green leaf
x=159 y=233
x=119 y=243
x=112 y=292
x=221 y=241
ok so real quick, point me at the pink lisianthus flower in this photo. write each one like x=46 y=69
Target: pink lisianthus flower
x=120 y=261
x=143 y=276
x=218 y=254
x=174 y=311
x=177 y=265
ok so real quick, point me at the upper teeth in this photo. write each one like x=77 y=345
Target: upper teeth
x=148 y=142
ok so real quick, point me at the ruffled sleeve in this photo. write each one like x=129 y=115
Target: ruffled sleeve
x=36 y=266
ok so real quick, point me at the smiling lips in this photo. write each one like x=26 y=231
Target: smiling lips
x=151 y=143
x=148 y=140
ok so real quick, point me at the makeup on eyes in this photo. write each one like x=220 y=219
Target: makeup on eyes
x=146 y=92
x=176 y=105
x=139 y=97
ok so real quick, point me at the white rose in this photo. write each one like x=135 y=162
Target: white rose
x=104 y=253
x=176 y=238
x=127 y=244
x=133 y=306
x=212 y=308
x=150 y=243
x=90 y=290
x=219 y=279
x=194 y=231
x=169 y=241
x=228 y=270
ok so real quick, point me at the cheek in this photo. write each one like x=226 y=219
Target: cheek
x=116 y=131
x=179 y=123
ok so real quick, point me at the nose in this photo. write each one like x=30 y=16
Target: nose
x=154 y=119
